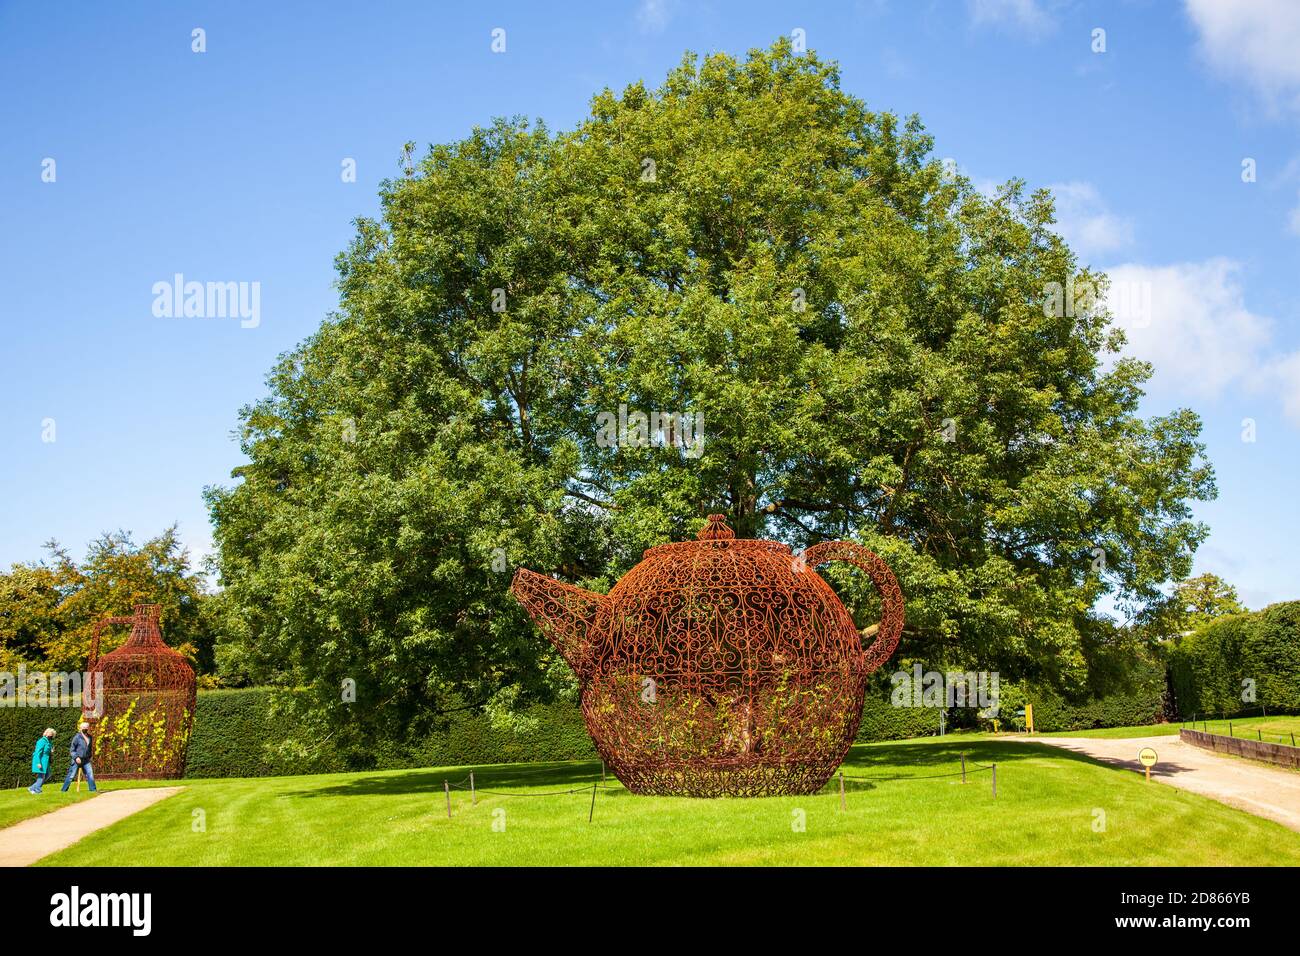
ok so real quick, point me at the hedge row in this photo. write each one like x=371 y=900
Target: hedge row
x=881 y=720
x=1142 y=701
x=19 y=728
x=1140 y=706
x=232 y=729
x=1214 y=669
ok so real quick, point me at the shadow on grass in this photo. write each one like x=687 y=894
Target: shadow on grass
x=1009 y=749
x=930 y=754
x=567 y=775
x=870 y=759
x=891 y=762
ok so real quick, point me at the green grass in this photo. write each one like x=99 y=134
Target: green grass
x=17 y=804
x=1047 y=805
x=1276 y=730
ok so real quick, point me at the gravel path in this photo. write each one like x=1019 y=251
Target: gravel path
x=26 y=842
x=1262 y=790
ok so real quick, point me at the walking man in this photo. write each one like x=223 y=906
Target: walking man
x=82 y=750
x=41 y=760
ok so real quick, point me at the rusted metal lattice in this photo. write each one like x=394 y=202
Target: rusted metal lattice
x=721 y=666
x=142 y=710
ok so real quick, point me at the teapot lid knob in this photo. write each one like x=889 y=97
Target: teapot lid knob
x=716 y=529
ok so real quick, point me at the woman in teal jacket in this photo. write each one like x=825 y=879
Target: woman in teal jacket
x=41 y=760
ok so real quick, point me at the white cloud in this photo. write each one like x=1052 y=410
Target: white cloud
x=1190 y=320
x=1087 y=223
x=1026 y=16
x=652 y=16
x=1255 y=40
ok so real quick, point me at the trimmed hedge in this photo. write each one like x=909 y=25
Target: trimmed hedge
x=881 y=720
x=19 y=728
x=1141 y=702
x=556 y=732
x=231 y=731
x=1209 y=667
x=233 y=728
x=1140 y=706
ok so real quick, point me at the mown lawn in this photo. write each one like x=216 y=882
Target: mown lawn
x=1052 y=808
x=17 y=804
x=1276 y=730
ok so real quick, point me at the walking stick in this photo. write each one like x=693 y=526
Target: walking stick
x=78 y=780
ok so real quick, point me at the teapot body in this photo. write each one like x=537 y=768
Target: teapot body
x=720 y=666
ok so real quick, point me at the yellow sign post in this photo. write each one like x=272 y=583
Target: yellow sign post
x=1148 y=758
x=1029 y=718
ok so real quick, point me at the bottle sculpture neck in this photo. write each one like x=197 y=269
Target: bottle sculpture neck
x=144 y=627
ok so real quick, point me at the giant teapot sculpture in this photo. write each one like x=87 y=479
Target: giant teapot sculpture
x=721 y=666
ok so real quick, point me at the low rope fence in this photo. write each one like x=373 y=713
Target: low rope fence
x=978 y=768
x=468 y=784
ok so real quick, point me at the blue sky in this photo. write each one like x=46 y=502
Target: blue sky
x=226 y=166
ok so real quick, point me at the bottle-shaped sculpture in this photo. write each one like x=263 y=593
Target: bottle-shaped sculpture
x=140 y=702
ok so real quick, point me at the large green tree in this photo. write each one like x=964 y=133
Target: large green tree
x=876 y=350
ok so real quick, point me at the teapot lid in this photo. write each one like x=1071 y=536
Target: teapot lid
x=717 y=534
x=716 y=529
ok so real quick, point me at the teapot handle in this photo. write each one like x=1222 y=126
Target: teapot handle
x=94 y=636
x=891 y=595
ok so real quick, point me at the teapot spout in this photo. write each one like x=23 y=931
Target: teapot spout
x=563 y=612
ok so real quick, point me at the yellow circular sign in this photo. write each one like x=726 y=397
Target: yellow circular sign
x=1147 y=756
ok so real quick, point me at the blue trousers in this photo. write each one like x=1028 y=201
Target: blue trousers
x=72 y=773
x=36 y=787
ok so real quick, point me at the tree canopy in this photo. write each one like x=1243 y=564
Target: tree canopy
x=1206 y=597
x=872 y=346
x=1193 y=603
x=48 y=608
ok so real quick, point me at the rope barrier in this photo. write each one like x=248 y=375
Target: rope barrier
x=932 y=776
x=595 y=785
x=546 y=793
x=586 y=788
x=550 y=769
